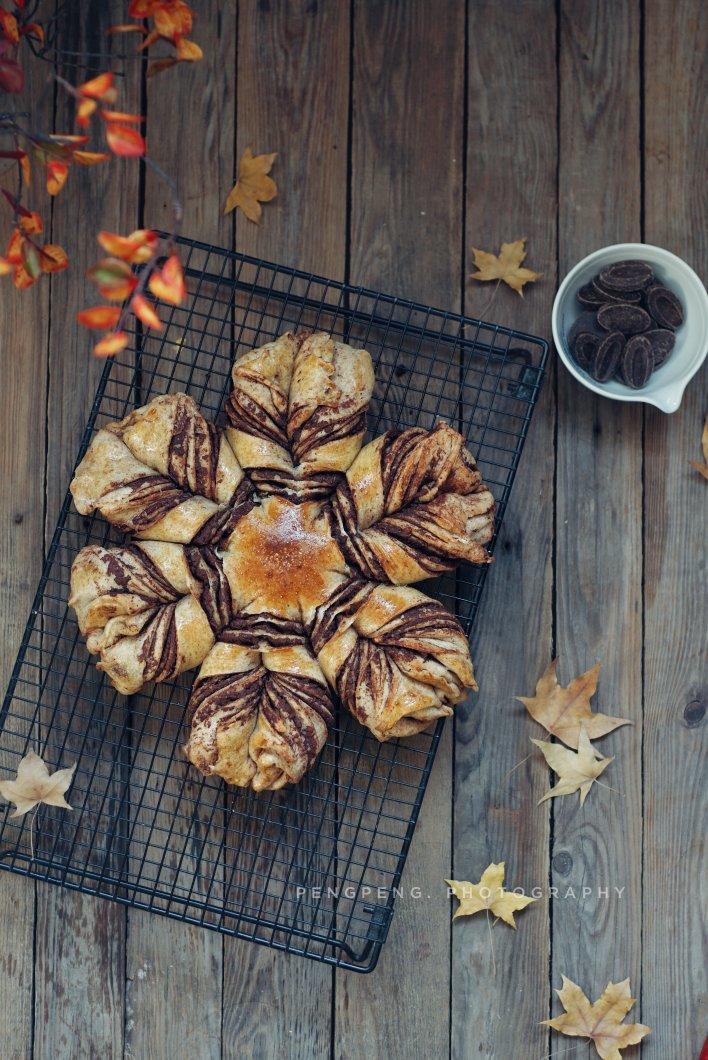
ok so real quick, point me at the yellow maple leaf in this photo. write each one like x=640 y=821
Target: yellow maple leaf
x=600 y=1022
x=702 y=469
x=488 y=894
x=34 y=784
x=506 y=266
x=253 y=186
x=562 y=711
x=577 y=770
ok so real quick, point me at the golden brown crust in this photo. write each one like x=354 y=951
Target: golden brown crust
x=281 y=557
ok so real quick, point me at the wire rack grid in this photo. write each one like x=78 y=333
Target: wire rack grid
x=313 y=869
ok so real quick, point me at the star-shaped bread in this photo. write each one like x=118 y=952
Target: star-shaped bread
x=278 y=555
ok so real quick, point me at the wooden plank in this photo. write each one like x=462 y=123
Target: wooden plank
x=406 y=214
x=190 y=114
x=292 y=98
x=79 y=974
x=23 y=326
x=599 y=516
x=511 y=192
x=674 y=975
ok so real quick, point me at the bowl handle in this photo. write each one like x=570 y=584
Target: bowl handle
x=669 y=398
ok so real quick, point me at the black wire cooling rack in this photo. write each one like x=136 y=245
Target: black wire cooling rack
x=312 y=869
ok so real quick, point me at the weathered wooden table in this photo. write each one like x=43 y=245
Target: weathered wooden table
x=407 y=133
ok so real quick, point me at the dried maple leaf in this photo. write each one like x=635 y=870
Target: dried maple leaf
x=253 y=186
x=601 y=1022
x=507 y=266
x=488 y=894
x=577 y=770
x=562 y=711
x=34 y=784
x=702 y=469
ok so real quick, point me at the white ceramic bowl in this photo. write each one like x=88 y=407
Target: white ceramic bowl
x=667 y=384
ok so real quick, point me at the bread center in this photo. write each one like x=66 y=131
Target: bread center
x=281 y=557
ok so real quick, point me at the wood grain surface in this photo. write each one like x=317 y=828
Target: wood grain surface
x=510 y=87
x=408 y=133
x=675 y=510
x=598 y=539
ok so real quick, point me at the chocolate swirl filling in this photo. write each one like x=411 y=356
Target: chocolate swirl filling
x=158 y=652
x=326 y=424
x=214 y=593
x=263 y=631
x=246 y=414
x=315 y=487
x=146 y=501
x=219 y=527
x=193 y=452
x=134 y=571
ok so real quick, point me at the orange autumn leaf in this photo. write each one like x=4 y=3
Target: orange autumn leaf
x=57 y=172
x=84 y=112
x=121 y=116
x=145 y=312
x=53 y=258
x=188 y=51
x=99 y=316
x=33 y=29
x=142 y=8
x=98 y=87
x=26 y=170
x=168 y=284
x=31 y=223
x=172 y=20
x=22 y=277
x=9 y=27
x=14 y=247
x=113 y=342
x=253 y=186
x=563 y=711
x=114 y=279
x=125 y=141
x=90 y=158
x=136 y=248
x=5 y=266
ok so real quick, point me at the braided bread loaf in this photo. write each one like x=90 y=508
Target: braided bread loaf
x=298 y=413
x=164 y=473
x=412 y=505
x=260 y=709
x=398 y=660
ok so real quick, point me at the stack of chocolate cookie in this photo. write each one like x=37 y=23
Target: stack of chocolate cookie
x=627 y=329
